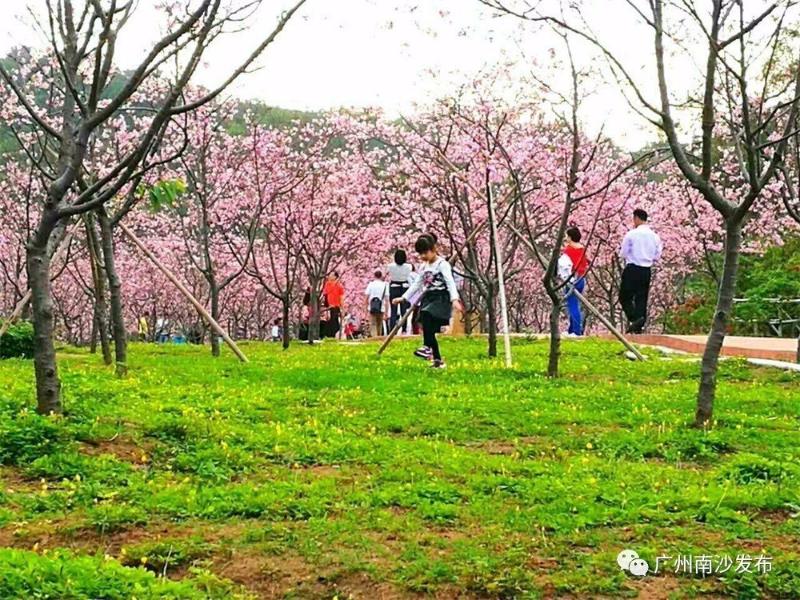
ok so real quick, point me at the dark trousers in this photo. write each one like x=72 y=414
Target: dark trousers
x=430 y=327
x=334 y=321
x=633 y=295
x=398 y=310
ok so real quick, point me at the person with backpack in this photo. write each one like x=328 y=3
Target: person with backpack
x=572 y=268
x=377 y=293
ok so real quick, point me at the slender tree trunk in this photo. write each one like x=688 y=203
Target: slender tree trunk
x=722 y=315
x=214 y=290
x=555 y=338
x=491 y=309
x=48 y=385
x=100 y=324
x=286 y=333
x=313 y=322
x=115 y=289
x=100 y=329
x=468 y=324
x=93 y=335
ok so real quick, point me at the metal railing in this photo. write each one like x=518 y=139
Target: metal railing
x=784 y=323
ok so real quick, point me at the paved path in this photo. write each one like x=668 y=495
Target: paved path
x=749 y=347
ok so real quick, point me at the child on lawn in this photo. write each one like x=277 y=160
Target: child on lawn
x=439 y=295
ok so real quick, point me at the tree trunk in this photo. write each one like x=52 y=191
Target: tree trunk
x=214 y=291
x=48 y=385
x=100 y=325
x=93 y=336
x=555 y=339
x=313 y=321
x=115 y=289
x=286 y=332
x=491 y=309
x=722 y=314
x=468 y=323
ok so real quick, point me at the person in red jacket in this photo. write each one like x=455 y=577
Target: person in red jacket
x=334 y=294
x=576 y=252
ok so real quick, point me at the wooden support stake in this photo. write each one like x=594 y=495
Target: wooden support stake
x=601 y=317
x=396 y=329
x=498 y=257
x=185 y=291
x=20 y=307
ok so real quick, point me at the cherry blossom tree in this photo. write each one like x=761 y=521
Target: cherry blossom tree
x=64 y=98
x=741 y=98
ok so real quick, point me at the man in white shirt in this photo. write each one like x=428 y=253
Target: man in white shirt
x=377 y=293
x=641 y=247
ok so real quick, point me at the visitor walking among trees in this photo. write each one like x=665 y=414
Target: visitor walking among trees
x=574 y=273
x=641 y=247
x=399 y=277
x=334 y=294
x=377 y=293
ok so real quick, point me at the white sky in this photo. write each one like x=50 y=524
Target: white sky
x=393 y=54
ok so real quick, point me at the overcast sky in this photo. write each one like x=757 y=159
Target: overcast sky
x=394 y=54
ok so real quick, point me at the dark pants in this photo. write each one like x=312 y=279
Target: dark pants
x=430 y=327
x=334 y=321
x=633 y=295
x=398 y=310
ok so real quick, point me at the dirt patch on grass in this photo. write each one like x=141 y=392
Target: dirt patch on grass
x=655 y=588
x=13 y=480
x=270 y=576
x=7 y=537
x=498 y=447
x=360 y=586
x=121 y=447
x=785 y=543
x=504 y=447
x=69 y=533
x=319 y=470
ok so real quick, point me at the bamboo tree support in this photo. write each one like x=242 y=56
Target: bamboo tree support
x=401 y=322
x=185 y=291
x=498 y=257
x=20 y=307
x=600 y=317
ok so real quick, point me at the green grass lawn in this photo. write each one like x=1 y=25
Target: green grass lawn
x=324 y=472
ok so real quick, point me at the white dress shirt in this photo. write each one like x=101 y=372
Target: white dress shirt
x=641 y=247
x=376 y=289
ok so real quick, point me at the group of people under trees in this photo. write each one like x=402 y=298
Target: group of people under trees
x=431 y=290
x=434 y=293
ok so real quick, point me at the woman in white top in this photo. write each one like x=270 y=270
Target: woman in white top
x=399 y=278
